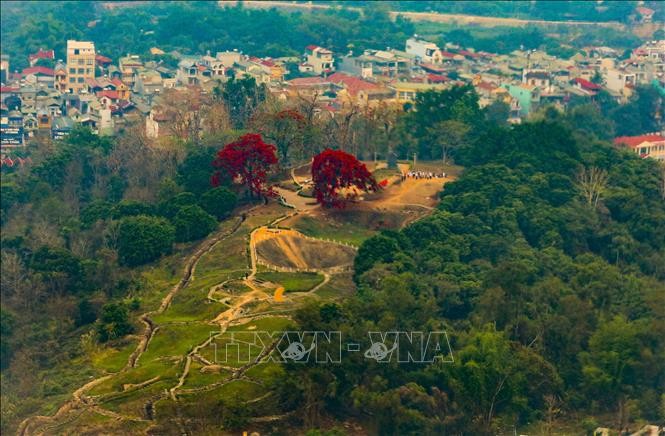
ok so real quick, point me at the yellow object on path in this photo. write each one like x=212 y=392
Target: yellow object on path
x=279 y=294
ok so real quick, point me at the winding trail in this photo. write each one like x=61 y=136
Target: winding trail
x=237 y=311
x=34 y=424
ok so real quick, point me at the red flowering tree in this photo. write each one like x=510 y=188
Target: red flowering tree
x=246 y=161
x=338 y=176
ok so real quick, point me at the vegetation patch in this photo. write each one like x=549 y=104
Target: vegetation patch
x=292 y=282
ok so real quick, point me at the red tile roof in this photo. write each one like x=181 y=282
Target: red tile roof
x=103 y=59
x=436 y=78
x=352 y=84
x=44 y=71
x=93 y=83
x=486 y=86
x=8 y=89
x=117 y=82
x=634 y=141
x=42 y=54
x=113 y=95
x=586 y=84
x=311 y=47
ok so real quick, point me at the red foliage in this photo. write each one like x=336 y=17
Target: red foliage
x=290 y=114
x=335 y=170
x=248 y=161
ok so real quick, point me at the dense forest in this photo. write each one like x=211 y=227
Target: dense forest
x=544 y=262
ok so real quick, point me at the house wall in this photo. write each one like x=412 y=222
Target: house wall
x=80 y=65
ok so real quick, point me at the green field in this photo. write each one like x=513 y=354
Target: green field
x=292 y=282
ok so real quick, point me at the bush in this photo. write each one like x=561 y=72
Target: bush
x=114 y=322
x=97 y=210
x=131 y=208
x=192 y=223
x=86 y=313
x=170 y=207
x=219 y=202
x=142 y=239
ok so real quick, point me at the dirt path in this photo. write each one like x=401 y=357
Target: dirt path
x=399 y=194
x=78 y=397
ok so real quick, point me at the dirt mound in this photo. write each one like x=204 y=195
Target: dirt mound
x=291 y=249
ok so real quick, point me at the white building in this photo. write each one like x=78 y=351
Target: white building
x=617 y=80
x=424 y=51
x=320 y=59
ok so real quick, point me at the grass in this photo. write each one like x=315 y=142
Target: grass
x=111 y=359
x=177 y=340
x=340 y=286
x=385 y=173
x=196 y=378
x=292 y=282
x=267 y=324
x=347 y=232
x=133 y=402
x=249 y=346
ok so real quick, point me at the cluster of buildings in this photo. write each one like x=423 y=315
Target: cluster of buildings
x=94 y=90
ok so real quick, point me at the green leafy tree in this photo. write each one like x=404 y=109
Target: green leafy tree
x=132 y=208
x=169 y=208
x=447 y=136
x=142 y=239
x=195 y=171
x=219 y=202
x=497 y=112
x=7 y=324
x=192 y=223
x=86 y=313
x=113 y=322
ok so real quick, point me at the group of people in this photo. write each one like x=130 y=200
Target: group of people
x=423 y=175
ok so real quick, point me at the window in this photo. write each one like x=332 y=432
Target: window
x=80 y=80
x=72 y=71
x=88 y=70
x=77 y=51
x=88 y=62
x=72 y=80
x=81 y=70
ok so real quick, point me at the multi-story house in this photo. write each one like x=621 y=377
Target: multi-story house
x=148 y=82
x=60 y=77
x=129 y=65
x=617 y=80
x=320 y=59
x=376 y=63
x=425 y=51
x=188 y=72
x=652 y=146
x=80 y=65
